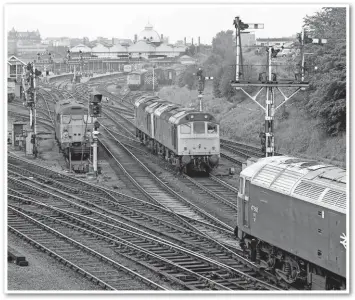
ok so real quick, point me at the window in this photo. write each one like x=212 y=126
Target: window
x=246 y=213
x=76 y=117
x=88 y=119
x=199 y=127
x=185 y=128
x=65 y=119
x=241 y=185
x=211 y=128
x=247 y=183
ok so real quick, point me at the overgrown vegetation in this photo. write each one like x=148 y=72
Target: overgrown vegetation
x=327 y=94
x=325 y=99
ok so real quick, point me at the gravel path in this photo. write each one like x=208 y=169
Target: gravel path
x=43 y=272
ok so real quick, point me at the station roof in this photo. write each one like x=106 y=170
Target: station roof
x=81 y=47
x=99 y=48
x=118 y=48
x=149 y=34
x=141 y=46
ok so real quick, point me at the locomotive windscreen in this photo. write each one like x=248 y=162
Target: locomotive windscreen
x=78 y=111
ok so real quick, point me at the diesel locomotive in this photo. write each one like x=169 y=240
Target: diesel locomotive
x=73 y=127
x=187 y=138
x=291 y=220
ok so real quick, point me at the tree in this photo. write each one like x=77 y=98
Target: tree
x=327 y=94
x=223 y=44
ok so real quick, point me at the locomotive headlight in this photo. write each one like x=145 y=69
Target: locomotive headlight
x=65 y=134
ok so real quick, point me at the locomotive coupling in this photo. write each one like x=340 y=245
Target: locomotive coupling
x=186 y=159
x=214 y=159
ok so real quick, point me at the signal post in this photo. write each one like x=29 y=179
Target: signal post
x=201 y=86
x=95 y=110
x=29 y=85
x=268 y=82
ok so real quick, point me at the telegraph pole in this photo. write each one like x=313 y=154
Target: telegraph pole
x=269 y=83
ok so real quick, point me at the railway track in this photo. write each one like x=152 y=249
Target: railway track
x=200 y=272
x=181 y=213
x=59 y=240
x=40 y=120
x=241 y=149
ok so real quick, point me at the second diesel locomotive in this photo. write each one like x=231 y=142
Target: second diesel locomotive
x=73 y=129
x=185 y=137
x=292 y=220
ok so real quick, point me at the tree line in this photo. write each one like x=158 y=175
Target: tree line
x=326 y=96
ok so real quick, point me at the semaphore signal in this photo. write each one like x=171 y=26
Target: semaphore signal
x=267 y=80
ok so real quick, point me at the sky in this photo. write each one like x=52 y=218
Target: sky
x=175 y=21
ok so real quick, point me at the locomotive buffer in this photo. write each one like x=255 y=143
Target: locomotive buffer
x=268 y=82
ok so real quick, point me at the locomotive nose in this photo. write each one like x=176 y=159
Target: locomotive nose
x=214 y=160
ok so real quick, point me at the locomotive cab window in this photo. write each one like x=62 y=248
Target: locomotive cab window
x=199 y=127
x=65 y=119
x=211 y=128
x=185 y=128
x=241 y=185
x=76 y=117
x=88 y=119
x=247 y=184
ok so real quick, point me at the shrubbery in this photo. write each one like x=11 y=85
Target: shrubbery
x=326 y=98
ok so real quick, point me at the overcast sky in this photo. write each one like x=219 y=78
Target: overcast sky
x=175 y=21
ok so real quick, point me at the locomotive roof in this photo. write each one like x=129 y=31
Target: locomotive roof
x=139 y=72
x=311 y=181
x=65 y=106
x=144 y=99
x=172 y=112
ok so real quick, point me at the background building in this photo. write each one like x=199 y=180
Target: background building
x=277 y=42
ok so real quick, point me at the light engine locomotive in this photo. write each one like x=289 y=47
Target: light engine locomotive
x=73 y=129
x=185 y=137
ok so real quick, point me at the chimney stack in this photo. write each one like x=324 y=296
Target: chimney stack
x=161 y=37
x=185 y=41
x=135 y=38
x=199 y=42
x=192 y=41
